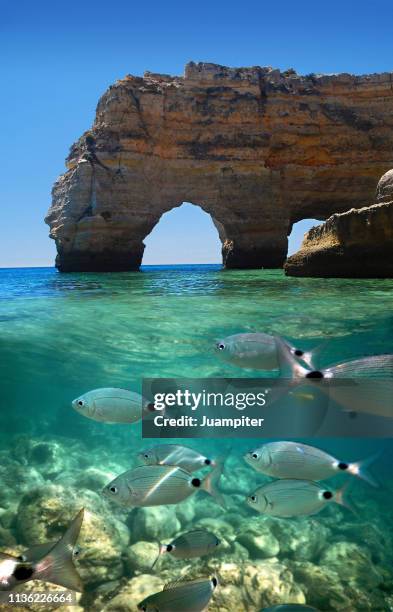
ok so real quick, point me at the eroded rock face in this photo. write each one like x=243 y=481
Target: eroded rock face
x=256 y=148
x=354 y=244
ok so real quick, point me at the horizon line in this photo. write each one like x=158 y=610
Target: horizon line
x=212 y=263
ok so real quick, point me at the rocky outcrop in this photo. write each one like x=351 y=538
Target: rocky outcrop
x=256 y=148
x=354 y=244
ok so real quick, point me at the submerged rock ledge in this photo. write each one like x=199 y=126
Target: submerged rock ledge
x=353 y=244
x=258 y=149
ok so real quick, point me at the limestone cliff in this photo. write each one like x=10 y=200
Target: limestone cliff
x=355 y=244
x=257 y=148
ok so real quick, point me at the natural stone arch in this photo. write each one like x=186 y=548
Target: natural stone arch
x=97 y=235
x=255 y=148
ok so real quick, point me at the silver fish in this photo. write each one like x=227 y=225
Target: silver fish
x=54 y=565
x=361 y=385
x=256 y=351
x=197 y=543
x=290 y=497
x=289 y=608
x=156 y=485
x=111 y=405
x=193 y=596
x=175 y=454
x=296 y=460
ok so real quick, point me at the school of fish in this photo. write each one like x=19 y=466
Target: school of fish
x=167 y=474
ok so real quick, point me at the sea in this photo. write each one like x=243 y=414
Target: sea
x=62 y=335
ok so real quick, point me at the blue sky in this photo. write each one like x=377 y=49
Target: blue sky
x=58 y=58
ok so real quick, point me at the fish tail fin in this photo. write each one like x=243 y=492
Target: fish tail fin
x=57 y=566
x=359 y=469
x=313 y=357
x=161 y=549
x=288 y=365
x=211 y=481
x=341 y=498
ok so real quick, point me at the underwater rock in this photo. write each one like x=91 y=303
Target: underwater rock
x=238 y=552
x=92 y=478
x=48 y=457
x=239 y=481
x=302 y=539
x=257 y=148
x=357 y=243
x=260 y=544
x=154 y=523
x=352 y=563
x=45 y=513
x=6 y=537
x=260 y=584
x=227 y=598
x=271 y=583
x=185 y=511
x=206 y=507
x=133 y=592
x=141 y=556
x=325 y=590
x=16 y=479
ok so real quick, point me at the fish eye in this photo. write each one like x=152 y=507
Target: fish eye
x=298 y=353
x=254 y=455
x=220 y=346
x=81 y=403
x=342 y=466
x=327 y=495
x=113 y=489
x=146 y=455
x=253 y=498
x=207 y=461
x=214 y=581
x=169 y=548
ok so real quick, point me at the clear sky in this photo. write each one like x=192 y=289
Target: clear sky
x=59 y=57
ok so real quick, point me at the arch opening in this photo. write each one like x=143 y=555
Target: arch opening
x=185 y=234
x=295 y=238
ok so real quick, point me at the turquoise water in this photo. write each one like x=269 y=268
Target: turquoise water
x=62 y=335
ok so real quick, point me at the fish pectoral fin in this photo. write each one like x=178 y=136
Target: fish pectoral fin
x=132 y=491
x=269 y=504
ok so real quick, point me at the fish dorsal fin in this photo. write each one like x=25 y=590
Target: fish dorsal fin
x=173 y=584
x=183 y=581
x=202 y=531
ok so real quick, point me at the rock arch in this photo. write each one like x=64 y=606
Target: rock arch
x=255 y=148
